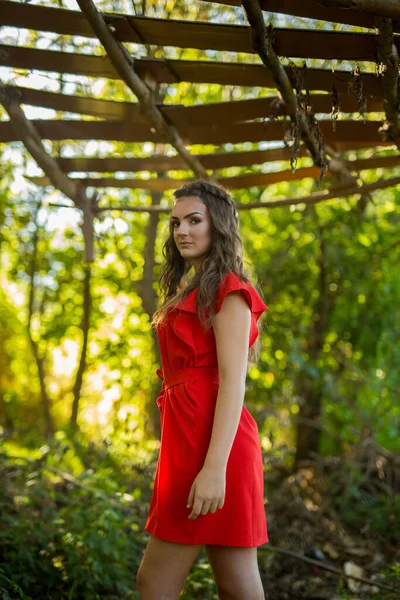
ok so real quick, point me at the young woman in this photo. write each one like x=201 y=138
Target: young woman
x=208 y=488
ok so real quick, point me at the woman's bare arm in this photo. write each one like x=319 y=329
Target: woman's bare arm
x=231 y=329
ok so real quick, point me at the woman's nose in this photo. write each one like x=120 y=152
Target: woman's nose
x=182 y=229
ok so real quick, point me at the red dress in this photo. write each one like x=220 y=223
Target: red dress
x=186 y=402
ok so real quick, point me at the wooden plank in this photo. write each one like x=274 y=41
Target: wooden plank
x=223 y=113
x=104 y=109
x=377 y=162
x=175 y=71
x=179 y=115
x=163 y=184
x=57 y=62
x=44 y=18
x=123 y=131
x=238 y=182
x=347 y=146
x=162 y=164
x=314 y=10
x=145 y=96
x=185 y=34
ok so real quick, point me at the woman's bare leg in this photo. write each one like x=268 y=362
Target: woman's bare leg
x=164 y=568
x=236 y=572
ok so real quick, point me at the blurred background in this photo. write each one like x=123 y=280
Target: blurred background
x=79 y=425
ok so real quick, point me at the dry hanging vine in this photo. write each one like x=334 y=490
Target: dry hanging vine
x=305 y=111
x=356 y=88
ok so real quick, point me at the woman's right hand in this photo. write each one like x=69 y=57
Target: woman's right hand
x=207 y=493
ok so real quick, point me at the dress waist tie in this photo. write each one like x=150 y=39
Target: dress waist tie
x=188 y=374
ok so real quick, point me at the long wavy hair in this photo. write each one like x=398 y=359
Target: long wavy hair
x=224 y=256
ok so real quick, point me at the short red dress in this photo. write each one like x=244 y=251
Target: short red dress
x=187 y=402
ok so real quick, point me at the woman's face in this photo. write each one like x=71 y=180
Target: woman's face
x=192 y=230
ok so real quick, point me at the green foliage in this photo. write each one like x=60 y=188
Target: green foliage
x=356 y=495
x=63 y=537
x=200 y=584
x=8 y=587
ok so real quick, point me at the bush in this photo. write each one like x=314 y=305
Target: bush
x=62 y=537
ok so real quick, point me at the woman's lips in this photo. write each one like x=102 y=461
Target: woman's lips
x=183 y=244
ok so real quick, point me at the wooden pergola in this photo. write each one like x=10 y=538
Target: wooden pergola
x=302 y=112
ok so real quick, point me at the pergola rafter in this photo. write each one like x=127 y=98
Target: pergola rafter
x=177 y=71
x=348 y=12
x=254 y=131
x=290 y=42
x=180 y=115
x=237 y=182
x=384 y=8
x=270 y=119
x=162 y=164
x=125 y=68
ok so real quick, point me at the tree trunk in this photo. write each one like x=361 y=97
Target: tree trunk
x=5 y=417
x=46 y=404
x=149 y=300
x=307 y=433
x=87 y=308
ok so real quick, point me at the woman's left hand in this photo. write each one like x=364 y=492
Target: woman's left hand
x=207 y=493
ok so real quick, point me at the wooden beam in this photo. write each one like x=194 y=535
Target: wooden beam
x=176 y=71
x=125 y=67
x=84 y=105
x=163 y=184
x=389 y=58
x=237 y=182
x=162 y=164
x=210 y=115
x=313 y=9
x=346 y=131
x=384 y=8
x=294 y=43
x=375 y=162
x=27 y=133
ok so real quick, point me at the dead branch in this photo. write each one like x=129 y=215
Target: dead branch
x=318 y=563
x=85 y=325
x=389 y=58
x=40 y=360
x=263 y=45
x=384 y=8
x=32 y=141
x=124 y=64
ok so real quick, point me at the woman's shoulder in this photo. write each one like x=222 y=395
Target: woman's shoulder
x=231 y=282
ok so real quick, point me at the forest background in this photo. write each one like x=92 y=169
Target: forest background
x=79 y=424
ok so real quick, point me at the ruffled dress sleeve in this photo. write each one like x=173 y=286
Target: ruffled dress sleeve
x=232 y=283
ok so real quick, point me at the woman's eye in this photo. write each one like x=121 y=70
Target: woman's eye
x=174 y=223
